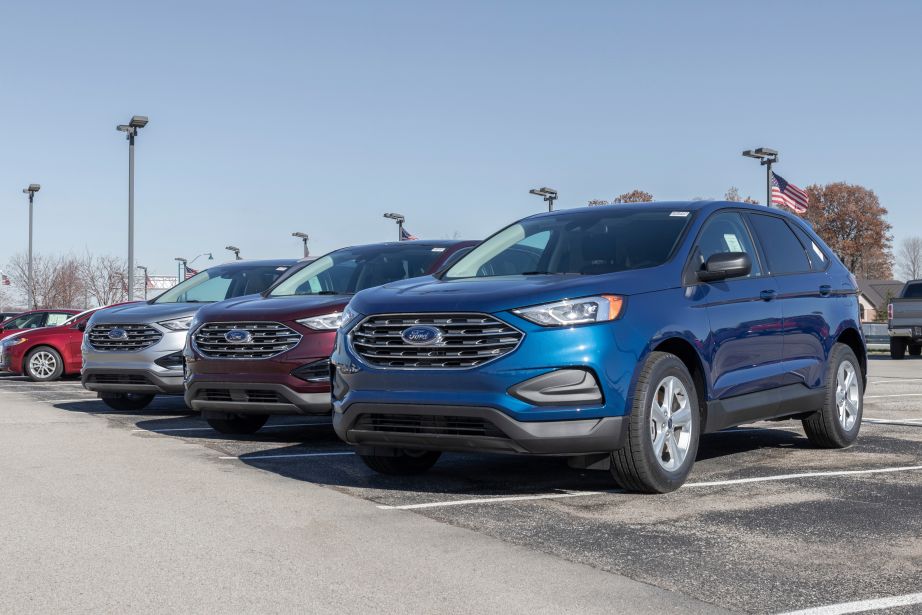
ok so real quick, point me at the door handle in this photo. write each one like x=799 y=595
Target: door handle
x=825 y=290
x=767 y=295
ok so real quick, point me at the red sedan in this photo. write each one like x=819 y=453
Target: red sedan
x=34 y=319
x=46 y=353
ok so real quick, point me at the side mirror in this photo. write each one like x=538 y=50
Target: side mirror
x=725 y=265
x=81 y=326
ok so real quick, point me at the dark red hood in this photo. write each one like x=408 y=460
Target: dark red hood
x=257 y=307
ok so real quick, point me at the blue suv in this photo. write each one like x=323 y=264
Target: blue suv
x=615 y=335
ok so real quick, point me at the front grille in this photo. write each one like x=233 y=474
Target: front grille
x=467 y=340
x=428 y=425
x=266 y=340
x=136 y=337
x=240 y=395
x=117 y=379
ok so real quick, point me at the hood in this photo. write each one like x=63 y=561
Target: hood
x=501 y=293
x=143 y=313
x=257 y=307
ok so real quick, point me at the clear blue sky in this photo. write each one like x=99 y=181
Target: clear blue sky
x=273 y=117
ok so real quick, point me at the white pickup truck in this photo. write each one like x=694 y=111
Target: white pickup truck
x=904 y=316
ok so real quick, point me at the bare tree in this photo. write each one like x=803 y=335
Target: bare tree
x=105 y=278
x=909 y=258
x=733 y=194
x=634 y=196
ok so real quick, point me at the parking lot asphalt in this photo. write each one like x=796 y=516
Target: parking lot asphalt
x=766 y=523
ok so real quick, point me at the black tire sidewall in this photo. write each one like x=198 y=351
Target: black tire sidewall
x=58 y=369
x=666 y=366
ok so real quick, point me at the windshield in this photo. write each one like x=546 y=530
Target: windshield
x=223 y=282
x=77 y=317
x=350 y=270
x=603 y=240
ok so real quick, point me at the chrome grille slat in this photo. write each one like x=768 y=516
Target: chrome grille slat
x=269 y=339
x=468 y=340
x=139 y=337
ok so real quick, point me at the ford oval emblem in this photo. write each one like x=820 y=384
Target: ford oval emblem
x=422 y=336
x=238 y=336
x=118 y=334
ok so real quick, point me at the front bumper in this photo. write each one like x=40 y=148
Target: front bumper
x=220 y=399
x=135 y=372
x=472 y=428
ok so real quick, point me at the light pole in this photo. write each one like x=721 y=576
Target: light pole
x=399 y=219
x=131 y=130
x=142 y=267
x=766 y=157
x=181 y=265
x=235 y=250
x=303 y=237
x=548 y=194
x=208 y=254
x=31 y=190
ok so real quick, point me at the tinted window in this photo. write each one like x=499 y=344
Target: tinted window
x=601 y=240
x=781 y=247
x=220 y=283
x=816 y=255
x=913 y=291
x=28 y=321
x=348 y=271
x=725 y=232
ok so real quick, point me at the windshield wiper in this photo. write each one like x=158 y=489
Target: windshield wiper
x=550 y=273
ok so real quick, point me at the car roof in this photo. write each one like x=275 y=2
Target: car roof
x=429 y=243
x=270 y=262
x=692 y=206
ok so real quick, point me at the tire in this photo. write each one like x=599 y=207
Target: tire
x=897 y=348
x=406 y=463
x=642 y=464
x=838 y=423
x=126 y=402
x=915 y=350
x=239 y=424
x=43 y=364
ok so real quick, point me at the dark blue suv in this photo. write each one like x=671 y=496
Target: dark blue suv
x=616 y=335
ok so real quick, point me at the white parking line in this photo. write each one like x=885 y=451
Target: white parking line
x=861 y=606
x=66 y=401
x=762 y=479
x=896 y=395
x=892 y=380
x=516 y=498
x=903 y=422
x=171 y=429
x=255 y=457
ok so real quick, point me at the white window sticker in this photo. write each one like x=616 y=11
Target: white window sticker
x=732 y=242
x=281 y=268
x=678 y=214
x=438 y=249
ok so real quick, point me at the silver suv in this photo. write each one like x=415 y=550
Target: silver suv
x=133 y=352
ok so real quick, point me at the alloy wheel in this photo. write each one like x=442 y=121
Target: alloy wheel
x=847 y=395
x=670 y=423
x=43 y=364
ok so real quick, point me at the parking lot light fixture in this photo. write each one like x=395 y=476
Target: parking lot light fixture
x=181 y=264
x=399 y=219
x=131 y=131
x=235 y=250
x=303 y=237
x=31 y=190
x=548 y=194
x=766 y=157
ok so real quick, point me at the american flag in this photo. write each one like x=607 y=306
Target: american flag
x=5 y=279
x=190 y=272
x=406 y=235
x=784 y=193
x=148 y=283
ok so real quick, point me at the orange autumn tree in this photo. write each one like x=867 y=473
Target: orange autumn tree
x=851 y=220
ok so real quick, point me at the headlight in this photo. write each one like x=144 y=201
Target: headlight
x=329 y=322
x=13 y=341
x=574 y=311
x=177 y=324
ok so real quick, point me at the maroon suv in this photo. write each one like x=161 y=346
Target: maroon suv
x=256 y=356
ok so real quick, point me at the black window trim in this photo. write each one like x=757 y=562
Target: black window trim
x=690 y=272
x=800 y=227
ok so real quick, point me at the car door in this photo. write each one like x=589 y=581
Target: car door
x=804 y=295
x=745 y=346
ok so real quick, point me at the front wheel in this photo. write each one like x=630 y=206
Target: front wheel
x=126 y=402
x=239 y=424
x=43 y=364
x=915 y=350
x=663 y=429
x=897 y=348
x=837 y=424
x=404 y=463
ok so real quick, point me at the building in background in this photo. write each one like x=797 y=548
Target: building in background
x=873 y=297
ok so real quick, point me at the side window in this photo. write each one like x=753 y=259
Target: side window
x=725 y=232
x=781 y=247
x=29 y=321
x=56 y=318
x=817 y=257
x=214 y=289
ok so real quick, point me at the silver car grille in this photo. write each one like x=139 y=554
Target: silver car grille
x=467 y=340
x=136 y=337
x=266 y=340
